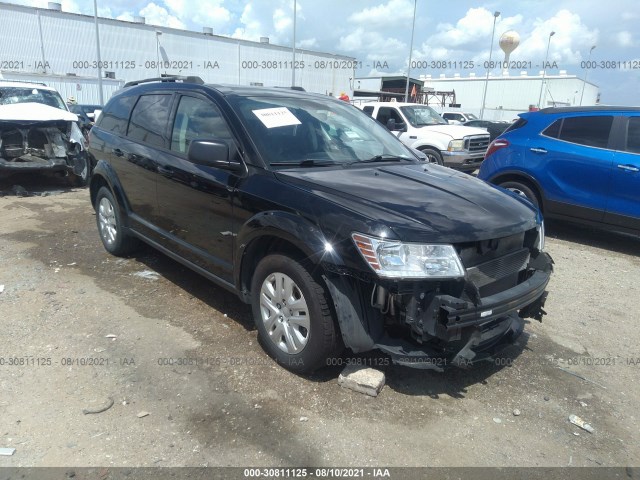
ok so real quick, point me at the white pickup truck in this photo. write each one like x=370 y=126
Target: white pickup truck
x=421 y=127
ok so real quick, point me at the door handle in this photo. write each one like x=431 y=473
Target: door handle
x=165 y=170
x=629 y=168
x=538 y=150
x=117 y=152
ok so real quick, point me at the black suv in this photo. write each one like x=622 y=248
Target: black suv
x=321 y=219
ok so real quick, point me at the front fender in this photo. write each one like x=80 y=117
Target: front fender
x=292 y=228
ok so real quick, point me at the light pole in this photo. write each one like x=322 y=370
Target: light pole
x=586 y=72
x=486 y=79
x=544 y=68
x=158 y=33
x=293 y=47
x=413 y=26
x=95 y=19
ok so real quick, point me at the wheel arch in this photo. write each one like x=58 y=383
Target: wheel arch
x=104 y=176
x=278 y=232
x=522 y=177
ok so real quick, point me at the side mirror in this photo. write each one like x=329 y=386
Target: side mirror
x=213 y=153
x=391 y=124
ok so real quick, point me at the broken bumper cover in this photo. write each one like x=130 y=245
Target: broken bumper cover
x=41 y=165
x=486 y=340
x=466 y=332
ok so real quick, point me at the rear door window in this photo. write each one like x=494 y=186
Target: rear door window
x=149 y=120
x=115 y=117
x=633 y=135
x=592 y=131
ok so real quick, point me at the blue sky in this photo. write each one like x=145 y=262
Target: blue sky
x=458 y=30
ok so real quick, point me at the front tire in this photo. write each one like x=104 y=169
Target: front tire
x=110 y=226
x=81 y=173
x=522 y=189
x=433 y=156
x=292 y=314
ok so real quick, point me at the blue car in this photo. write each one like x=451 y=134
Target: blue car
x=580 y=164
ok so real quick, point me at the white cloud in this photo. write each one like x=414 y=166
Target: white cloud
x=390 y=13
x=373 y=45
x=252 y=27
x=157 y=15
x=307 y=43
x=212 y=14
x=126 y=16
x=281 y=20
x=624 y=38
x=571 y=36
x=270 y=19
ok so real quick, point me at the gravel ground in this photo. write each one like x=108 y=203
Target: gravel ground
x=65 y=300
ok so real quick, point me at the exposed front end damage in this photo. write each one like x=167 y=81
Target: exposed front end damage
x=435 y=323
x=41 y=144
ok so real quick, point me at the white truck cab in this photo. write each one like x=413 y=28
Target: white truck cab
x=421 y=127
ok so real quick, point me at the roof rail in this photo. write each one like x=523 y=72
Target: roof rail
x=168 y=78
x=294 y=87
x=22 y=81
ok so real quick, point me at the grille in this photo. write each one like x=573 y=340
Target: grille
x=477 y=143
x=498 y=268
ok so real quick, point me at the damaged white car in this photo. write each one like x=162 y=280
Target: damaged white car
x=38 y=133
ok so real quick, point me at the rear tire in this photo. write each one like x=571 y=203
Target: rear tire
x=522 y=189
x=291 y=312
x=433 y=156
x=115 y=239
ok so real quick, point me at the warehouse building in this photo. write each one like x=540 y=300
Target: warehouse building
x=61 y=49
x=508 y=95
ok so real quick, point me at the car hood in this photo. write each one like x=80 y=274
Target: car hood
x=455 y=131
x=419 y=202
x=34 y=112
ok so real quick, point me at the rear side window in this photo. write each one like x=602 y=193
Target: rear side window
x=115 y=117
x=590 y=131
x=521 y=122
x=633 y=135
x=368 y=110
x=553 y=130
x=149 y=119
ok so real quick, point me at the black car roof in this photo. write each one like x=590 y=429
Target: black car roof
x=227 y=90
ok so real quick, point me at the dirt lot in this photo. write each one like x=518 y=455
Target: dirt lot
x=66 y=300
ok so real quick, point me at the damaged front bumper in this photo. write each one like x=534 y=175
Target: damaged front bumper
x=42 y=146
x=424 y=325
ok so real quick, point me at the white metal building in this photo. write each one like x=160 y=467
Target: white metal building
x=60 y=49
x=509 y=95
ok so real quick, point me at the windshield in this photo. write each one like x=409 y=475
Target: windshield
x=421 y=115
x=316 y=132
x=472 y=116
x=10 y=95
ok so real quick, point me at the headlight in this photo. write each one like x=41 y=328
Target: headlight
x=540 y=243
x=394 y=259
x=456 y=146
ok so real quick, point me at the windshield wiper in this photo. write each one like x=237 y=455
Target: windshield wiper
x=382 y=158
x=305 y=163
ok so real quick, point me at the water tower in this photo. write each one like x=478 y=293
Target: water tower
x=509 y=41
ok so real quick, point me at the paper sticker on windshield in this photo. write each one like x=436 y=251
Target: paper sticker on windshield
x=276 y=117
x=352 y=135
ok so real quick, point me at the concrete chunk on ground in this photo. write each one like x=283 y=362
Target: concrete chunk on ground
x=362 y=379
